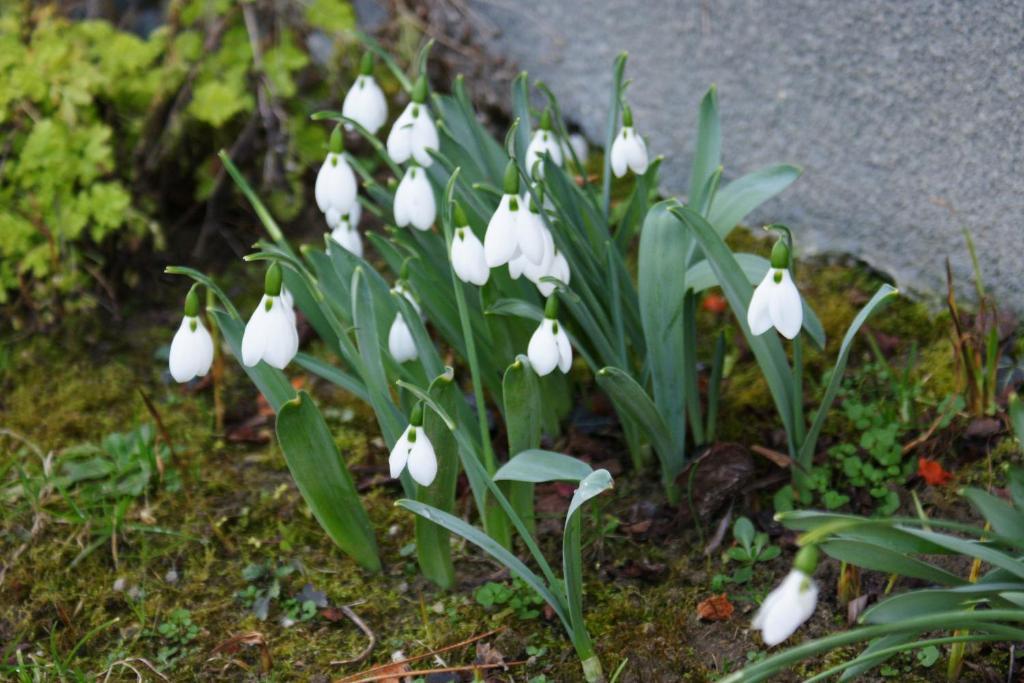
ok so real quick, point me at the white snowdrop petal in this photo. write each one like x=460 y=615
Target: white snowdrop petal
x=785 y=308
x=401 y=345
x=182 y=357
x=619 y=162
x=786 y=608
x=424 y=137
x=422 y=462
x=531 y=236
x=282 y=337
x=564 y=350
x=203 y=351
x=254 y=339
x=335 y=185
x=543 y=349
x=501 y=239
x=400 y=454
x=759 y=320
x=399 y=142
x=636 y=155
x=365 y=103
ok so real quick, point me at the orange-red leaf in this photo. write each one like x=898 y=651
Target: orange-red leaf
x=932 y=472
x=715 y=608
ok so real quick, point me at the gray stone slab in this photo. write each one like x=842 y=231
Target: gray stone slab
x=906 y=116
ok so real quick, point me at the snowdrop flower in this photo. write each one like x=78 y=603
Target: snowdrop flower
x=513 y=231
x=346 y=235
x=549 y=346
x=271 y=335
x=414 y=450
x=401 y=289
x=192 y=347
x=414 y=132
x=792 y=602
x=401 y=344
x=543 y=141
x=628 y=150
x=414 y=200
x=335 y=187
x=365 y=102
x=576 y=144
x=776 y=301
x=353 y=216
x=467 y=252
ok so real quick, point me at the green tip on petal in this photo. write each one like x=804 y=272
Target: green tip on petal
x=513 y=204
x=511 y=177
x=807 y=559
x=416 y=417
x=627 y=116
x=419 y=91
x=366 y=66
x=460 y=216
x=545 y=120
x=337 y=142
x=780 y=255
x=551 y=308
x=192 y=301
x=272 y=283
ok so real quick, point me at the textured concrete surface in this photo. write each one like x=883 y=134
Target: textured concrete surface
x=906 y=115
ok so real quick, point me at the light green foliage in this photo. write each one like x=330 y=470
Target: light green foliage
x=264 y=589
x=177 y=635
x=88 y=111
x=516 y=599
x=751 y=547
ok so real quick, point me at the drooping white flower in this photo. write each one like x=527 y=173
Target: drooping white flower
x=414 y=200
x=271 y=334
x=533 y=236
x=365 y=102
x=413 y=132
x=403 y=290
x=191 y=350
x=549 y=346
x=401 y=345
x=468 y=259
x=543 y=141
x=335 y=187
x=577 y=144
x=334 y=218
x=559 y=269
x=776 y=302
x=414 y=450
x=347 y=236
x=786 y=608
x=628 y=151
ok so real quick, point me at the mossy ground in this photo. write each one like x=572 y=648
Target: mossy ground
x=187 y=549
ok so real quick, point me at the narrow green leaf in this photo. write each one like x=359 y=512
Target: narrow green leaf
x=737 y=199
x=927 y=600
x=209 y=284
x=523 y=405
x=538 y=466
x=334 y=375
x=611 y=129
x=874 y=557
x=975 y=549
x=322 y=478
x=708 y=154
x=1006 y=521
x=572 y=561
x=664 y=245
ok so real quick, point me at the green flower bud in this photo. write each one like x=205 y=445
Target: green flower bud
x=272 y=282
x=366 y=66
x=551 y=308
x=807 y=559
x=459 y=215
x=416 y=417
x=403 y=272
x=627 y=116
x=419 y=91
x=192 y=301
x=511 y=177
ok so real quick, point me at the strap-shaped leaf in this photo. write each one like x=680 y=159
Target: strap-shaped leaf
x=332 y=374
x=737 y=199
x=1006 y=521
x=524 y=403
x=322 y=478
x=871 y=556
x=664 y=244
x=537 y=466
x=630 y=399
x=929 y=600
x=708 y=154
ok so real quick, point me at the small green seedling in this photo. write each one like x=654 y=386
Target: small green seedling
x=752 y=547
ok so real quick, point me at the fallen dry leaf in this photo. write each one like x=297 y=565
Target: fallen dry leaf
x=715 y=608
x=932 y=472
